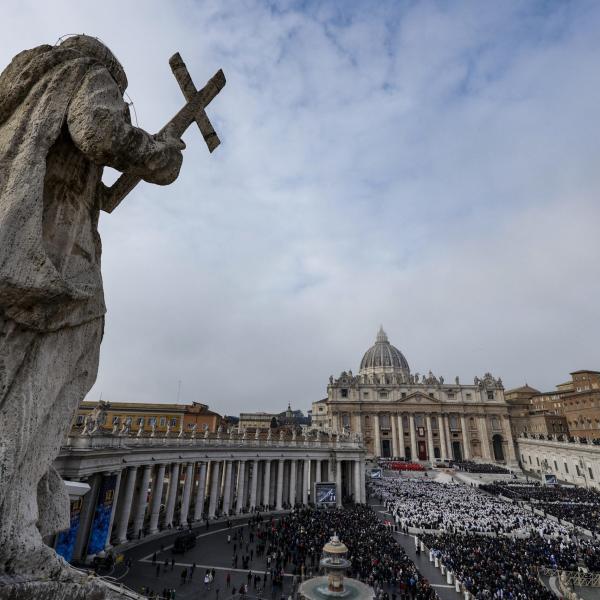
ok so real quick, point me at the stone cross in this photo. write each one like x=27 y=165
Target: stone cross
x=192 y=112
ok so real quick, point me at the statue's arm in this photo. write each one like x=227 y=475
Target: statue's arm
x=99 y=125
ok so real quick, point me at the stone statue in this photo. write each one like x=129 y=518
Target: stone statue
x=153 y=428
x=457 y=380
x=168 y=429
x=206 y=431
x=193 y=430
x=62 y=119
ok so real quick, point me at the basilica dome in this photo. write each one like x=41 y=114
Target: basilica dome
x=382 y=357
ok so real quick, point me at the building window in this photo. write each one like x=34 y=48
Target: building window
x=454 y=422
x=431 y=394
x=346 y=420
x=405 y=424
x=141 y=422
x=496 y=423
x=173 y=421
x=578 y=471
x=163 y=421
x=365 y=394
x=555 y=466
x=116 y=420
x=590 y=472
x=152 y=421
x=344 y=393
x=468 y=396
x=403 y=394
x=80 y=419
x=537 y=460
x=383 y=394
x=529 y=457
x=566 y=468
x=434 y=423
x=384 y=421
x=420 y=421
x=450 y=395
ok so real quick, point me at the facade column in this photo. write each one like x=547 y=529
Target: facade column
x=200 y=493
x=215 y=475
x=357 y=475
x=512 y=456
x=142 y=502
x=254 y=484
x=157 y=490
x=113 y=512
x=241 y=492
x=401 y=436
x=442 y=432
x=465 y=436
x=450 y=453
x=267 y=484
x=358 y=422
x=395 y=452
x=377 y=436
x=293 y=481
x=172 y=494
x=430 y=450
x=485 y=441
x=338 y=481
x=187 y=492
x=413 y=438
x=126 y=508
x=306 y=481
x=227 y=487
x=279 y=497
x=86 y=516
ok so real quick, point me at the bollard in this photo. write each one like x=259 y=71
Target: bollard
x=457 y=585
x=422 y=547
x=436 y=562
x=416 y=542
x=449 y=577
x=431 y=556
x=442 y=569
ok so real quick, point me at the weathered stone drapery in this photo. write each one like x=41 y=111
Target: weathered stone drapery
x=62 y=119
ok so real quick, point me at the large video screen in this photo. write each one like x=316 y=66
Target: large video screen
x=325 y=493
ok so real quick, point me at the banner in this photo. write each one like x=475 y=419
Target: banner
x=65 y=541
x=104 y=504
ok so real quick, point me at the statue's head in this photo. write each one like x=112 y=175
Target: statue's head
x=91 y=46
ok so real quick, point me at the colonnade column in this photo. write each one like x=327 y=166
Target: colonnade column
x=377 y=436
x=363 y=483
x=413 y=438
x=338 y=481
x=279 y=497
x=187 y=491
x=172 y=494
x=113 y=511
x=86 y=516
x=318 y=466
x=200 y=493
x=126 y=508
x=241 y=492
x=395 y=452
x=357 y=476
x=465 y=436
x=227 y=487
x=157 y=489
x=442 y=432
x=142 y=502
x=253 y=484
x=267 y=484
x=215 y=474
x=306 y=481
x=293 y=480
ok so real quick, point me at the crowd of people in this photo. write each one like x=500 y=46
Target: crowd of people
x=295 y=543
x=427 y=504
x=474 y=467
x=575 y=505
x=401 y=465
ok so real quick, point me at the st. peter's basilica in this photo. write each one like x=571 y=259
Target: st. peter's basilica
x=417 y=417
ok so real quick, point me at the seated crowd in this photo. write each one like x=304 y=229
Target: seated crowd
x=401 y=465
x=426 y=504
x=576 y=505
x=296 y=542
x=474 y=467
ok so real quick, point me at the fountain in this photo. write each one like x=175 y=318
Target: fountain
x=334 y=585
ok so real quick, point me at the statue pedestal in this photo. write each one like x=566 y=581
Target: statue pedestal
x=18 y=588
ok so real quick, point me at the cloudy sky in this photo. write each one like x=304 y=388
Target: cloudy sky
x=431 y=166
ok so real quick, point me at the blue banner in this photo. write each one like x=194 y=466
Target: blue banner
x=65 y=541
x=104 y=504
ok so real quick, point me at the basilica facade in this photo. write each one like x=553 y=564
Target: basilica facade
x=417 y=417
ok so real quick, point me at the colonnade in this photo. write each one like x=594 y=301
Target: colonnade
x=143 y=499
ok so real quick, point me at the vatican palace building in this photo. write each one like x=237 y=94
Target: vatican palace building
x=400 y=414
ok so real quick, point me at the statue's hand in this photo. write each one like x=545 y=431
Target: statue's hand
x=165 y=168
